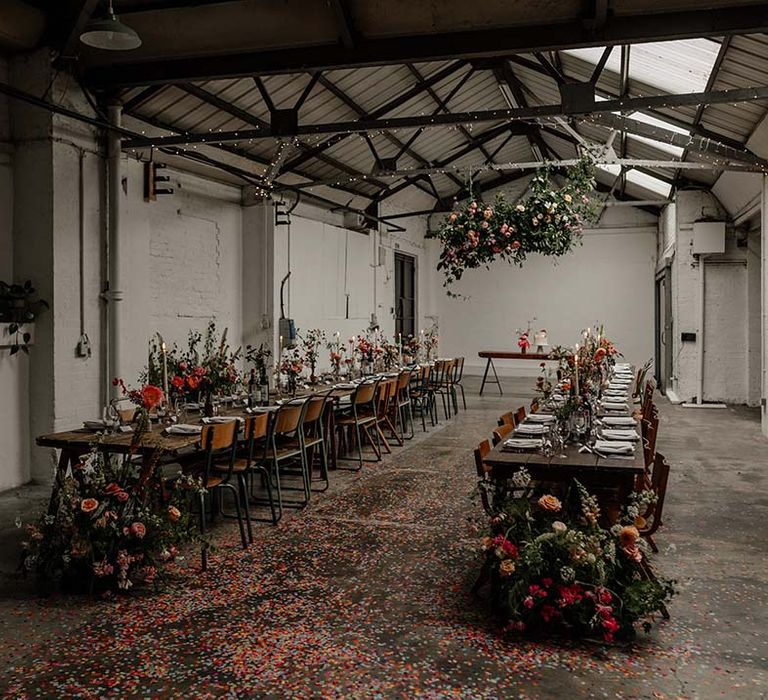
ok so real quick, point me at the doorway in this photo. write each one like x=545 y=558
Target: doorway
x=405 y=295
x=664 y=337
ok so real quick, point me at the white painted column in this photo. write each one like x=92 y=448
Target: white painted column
x=114 y=293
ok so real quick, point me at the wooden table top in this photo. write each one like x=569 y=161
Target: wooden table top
x=154 y=438
x=511 y=355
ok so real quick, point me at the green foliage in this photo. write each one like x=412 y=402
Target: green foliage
x=19 y=305
x=553 y=565
x=112 y=525
x=549 y=223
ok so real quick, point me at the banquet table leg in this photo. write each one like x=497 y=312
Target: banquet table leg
x=66 y=458
x=485 y=375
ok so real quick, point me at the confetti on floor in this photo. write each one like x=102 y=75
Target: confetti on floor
x=365 y=594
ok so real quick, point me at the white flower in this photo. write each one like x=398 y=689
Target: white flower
x=559 y=527
x=567 y=574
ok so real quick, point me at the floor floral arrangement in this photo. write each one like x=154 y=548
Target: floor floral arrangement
x=553 y=566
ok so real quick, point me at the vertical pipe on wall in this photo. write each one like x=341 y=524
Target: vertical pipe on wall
x=114 y=294
x=702 y=297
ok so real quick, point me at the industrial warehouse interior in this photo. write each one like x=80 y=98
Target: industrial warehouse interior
x=365 y=349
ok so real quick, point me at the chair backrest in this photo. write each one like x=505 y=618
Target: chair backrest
x=315 y=407
x=458 y=372
x=520 y=415
x=650 y=437
x=403 y=381
x=384 y=393
x=365 y=392
x=507 y=418
x=255 y=428
x=501 y=432
x=218 y=439
x=535 y=406
x=659 y=481
x=481 y=452
x=287 y=418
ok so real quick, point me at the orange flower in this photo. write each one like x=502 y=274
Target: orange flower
x=173 y=514
x=506 y=568
x=550 y=503
x=628 y=535
x=599 y=354
x=193 y=382
x=151 y=396
x=88 y=505
x=640 y=522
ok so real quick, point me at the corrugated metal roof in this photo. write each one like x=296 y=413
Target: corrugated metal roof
x=350 y=94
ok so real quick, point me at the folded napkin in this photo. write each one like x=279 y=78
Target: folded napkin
x=540 y=418
x=345 y=386
x=522 y=443
x=614 y=405
x=622 y=365
x=95 y=424
x=614 y=448
x=531 y=429
x=220 y=419
x=620 y=420
x=183 y=429
x=619 y=434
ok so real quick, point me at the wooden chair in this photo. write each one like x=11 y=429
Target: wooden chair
x=458 y=376
x=481 y=452
x=284 y=447
x=441 y=385
x=651 y=429
x=359 y=417
x=535 y=406
x=248 y=464
x=501 y=433
x=218 y=442
x=312 y=436
x=386 y=398
x=520 y=415
x=422 y=397
x=403 y=406
x=659 y=481
x=508 y=418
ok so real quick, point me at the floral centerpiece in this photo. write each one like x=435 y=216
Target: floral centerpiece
x=411 y=349
x=146 y=399
x=390 y=355
x=291 y=365
x=549 y=222
x=311 y=343
x=365 y=349
x=112 y=525
x=554 y=566
x=259 y=358
x=431 y=341
x=336 y=355
x=523 y=343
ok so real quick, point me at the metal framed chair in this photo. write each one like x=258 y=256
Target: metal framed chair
x=659 y=480
x=284 y=447
x=403 y=405
x=386 y=403
x=218 y=442
x=312 y=436
x=501 y=432
x=458 y=376
x=422 y=397
x=358 y=418
x=441 y=384
x=508 y=418
x=248 y=464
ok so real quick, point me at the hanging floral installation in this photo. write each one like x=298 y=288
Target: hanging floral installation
x=549 y=223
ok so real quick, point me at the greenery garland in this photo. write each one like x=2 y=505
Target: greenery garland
x=549 y=222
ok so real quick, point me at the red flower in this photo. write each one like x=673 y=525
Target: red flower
x=528 y=602
x=178 y=382
x=183 y=366
x=138 y=530
x=112 y=489
x=151 y=396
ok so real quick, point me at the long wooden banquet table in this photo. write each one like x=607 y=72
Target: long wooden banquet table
x=491 y=355
x=154 y=442
x=620 y=473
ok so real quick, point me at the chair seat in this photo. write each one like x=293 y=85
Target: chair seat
x=312 y=441
x=240 y=465
x=350 y=420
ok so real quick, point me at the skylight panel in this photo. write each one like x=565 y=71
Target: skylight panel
x=648 y=182
x=671 y=66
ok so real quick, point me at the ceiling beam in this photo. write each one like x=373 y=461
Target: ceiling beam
x=344 y=22
x=342 y=130
x=497 y=41
x=67 y=22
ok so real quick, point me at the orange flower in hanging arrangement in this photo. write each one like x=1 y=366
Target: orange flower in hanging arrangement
x=549 y=223
x=88 y=505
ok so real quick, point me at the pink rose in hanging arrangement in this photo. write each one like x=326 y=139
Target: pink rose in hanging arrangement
x=549 y=223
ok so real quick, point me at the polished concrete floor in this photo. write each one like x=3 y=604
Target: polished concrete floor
x=365 y=593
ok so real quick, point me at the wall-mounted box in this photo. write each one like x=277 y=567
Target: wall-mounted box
x=708 y=237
